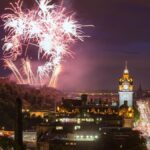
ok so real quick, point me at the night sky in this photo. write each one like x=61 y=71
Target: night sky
x=121 y=32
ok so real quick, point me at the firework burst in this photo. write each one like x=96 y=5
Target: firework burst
x=49 y=28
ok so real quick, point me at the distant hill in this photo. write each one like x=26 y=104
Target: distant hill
x=37 y=97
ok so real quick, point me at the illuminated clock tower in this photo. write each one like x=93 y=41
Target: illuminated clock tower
x=126 y=88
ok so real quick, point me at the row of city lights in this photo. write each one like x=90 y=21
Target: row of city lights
x=87 y=136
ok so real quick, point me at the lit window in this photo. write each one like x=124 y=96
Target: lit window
x=59 y=127
x=77 y=127
x=96 y=137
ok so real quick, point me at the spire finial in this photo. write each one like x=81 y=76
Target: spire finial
x=126 y=65
x=126 y=68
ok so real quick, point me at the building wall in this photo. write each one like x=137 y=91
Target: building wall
x=126 y=96
x=43 y=146
x=128 y=123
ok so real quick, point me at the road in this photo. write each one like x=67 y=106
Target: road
x=144 y=123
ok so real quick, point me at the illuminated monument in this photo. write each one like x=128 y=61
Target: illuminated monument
x=126 y=88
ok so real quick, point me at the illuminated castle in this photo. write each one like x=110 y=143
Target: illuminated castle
x=126 y=88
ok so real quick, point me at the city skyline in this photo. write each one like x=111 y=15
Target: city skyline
x=74 y=74
x=121 y=33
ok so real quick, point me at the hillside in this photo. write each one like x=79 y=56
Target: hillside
x=33 y=98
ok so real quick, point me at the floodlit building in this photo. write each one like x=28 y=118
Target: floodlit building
x=126 y=88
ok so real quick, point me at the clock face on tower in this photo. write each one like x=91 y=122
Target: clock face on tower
x=126 y=86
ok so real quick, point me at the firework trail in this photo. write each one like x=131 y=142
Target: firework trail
x=50 y=28
x=27 y=70
x=11 y=65
x=53 y=81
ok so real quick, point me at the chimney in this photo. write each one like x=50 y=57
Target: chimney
x=18 y=126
